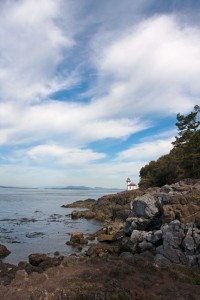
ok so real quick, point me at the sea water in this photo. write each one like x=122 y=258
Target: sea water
x=33 y=221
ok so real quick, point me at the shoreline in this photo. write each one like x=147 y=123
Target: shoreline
x=149 y=256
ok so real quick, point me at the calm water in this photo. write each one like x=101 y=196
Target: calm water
x=32 y=220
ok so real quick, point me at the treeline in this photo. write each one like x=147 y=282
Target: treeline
x=183 y=161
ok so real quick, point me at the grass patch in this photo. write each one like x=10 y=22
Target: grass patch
x=186 y=274
x=195 y=198
x=145 y=266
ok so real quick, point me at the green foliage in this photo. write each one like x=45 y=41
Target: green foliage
x=183 y=161
x=188 y=127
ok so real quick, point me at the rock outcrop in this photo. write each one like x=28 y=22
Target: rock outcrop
x=110 y=207
x=81 y=204
x=165 y=222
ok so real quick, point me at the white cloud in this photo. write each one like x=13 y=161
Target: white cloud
x=32 y=49
x=146 y=151
x=129 y=162
x=62 y=155
x=153 y=67
x=71 y=123
x=143 y=70
x=65 y=166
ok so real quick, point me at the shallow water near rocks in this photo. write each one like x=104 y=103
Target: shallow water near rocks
x=32 y=220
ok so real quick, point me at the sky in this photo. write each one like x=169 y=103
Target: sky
x=90 y=90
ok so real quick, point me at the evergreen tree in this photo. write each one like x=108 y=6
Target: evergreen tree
x=183 y=161
x=187 y=144
x=188 y=127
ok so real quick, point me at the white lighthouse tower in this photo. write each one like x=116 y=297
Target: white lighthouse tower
x=130 y=185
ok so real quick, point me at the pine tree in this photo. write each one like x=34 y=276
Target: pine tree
x=183 y=161
x=188 y=127
x=187 y=144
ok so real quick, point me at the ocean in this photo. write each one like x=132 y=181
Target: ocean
x=33 y=221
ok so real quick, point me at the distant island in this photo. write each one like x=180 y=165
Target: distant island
x=81 y=187
x=69 y=187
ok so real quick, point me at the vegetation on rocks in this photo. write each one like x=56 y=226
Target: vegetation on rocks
x=183 y=161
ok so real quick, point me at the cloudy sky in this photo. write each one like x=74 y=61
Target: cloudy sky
x=89 y=89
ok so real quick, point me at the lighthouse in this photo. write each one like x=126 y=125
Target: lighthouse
x=130 y=185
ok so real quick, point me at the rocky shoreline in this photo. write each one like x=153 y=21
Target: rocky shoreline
x=155 y=230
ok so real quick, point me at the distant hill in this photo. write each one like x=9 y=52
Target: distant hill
x=9 y=187
x=82 y=187
x=69 y=187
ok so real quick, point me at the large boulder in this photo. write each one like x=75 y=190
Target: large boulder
x=134 y=223
x=35 y=259
x=145 y=206
x=38 y=262
x=172 y=236
x=173 y=255
x=111 y=233
x=4 y=251
x=173 y=233
x=136 y=237
x=77 y=237
x=162 y=261
x=145 y=213
x=181 y=243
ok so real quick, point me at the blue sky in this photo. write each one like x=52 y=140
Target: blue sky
x=89 y=90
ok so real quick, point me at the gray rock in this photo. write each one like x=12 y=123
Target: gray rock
x=135 y=223
x=144 y=246
x=155 y=237
x=198 y=259
x=192 y=260
x=163 y=199
x=162 y=261
x=138 y=236
x=130 y=225
x=175 y=242
x=145 y=206
x=166 y=189
x=188 y=243
x=173 y=233
x=135 y=238
x=166 y=199
x=174 y=255
x=127 y=256
x=196 y=236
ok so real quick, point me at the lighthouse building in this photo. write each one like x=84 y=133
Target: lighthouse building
x=130 y=185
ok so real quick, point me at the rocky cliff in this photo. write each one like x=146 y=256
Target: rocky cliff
x=166 y=222
x=163 y=221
